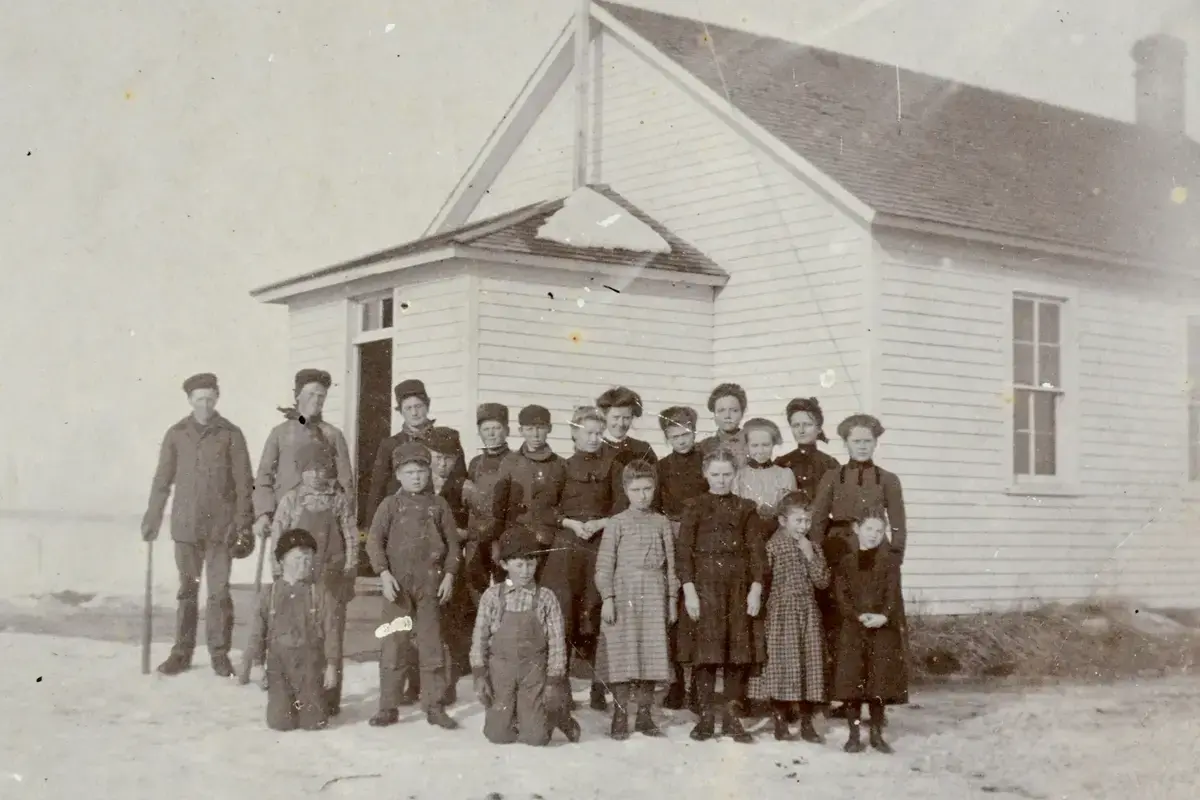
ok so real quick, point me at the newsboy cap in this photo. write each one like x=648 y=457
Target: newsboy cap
x=410 y=388
x=519 y=542
x=308 y=375
x=408 y=453
x=495 y=412
x=442 y=440
x=202 y=380
x=290 y=540
x=534 y=415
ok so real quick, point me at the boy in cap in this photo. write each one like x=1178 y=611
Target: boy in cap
x=204 y=459
x=447 y=482
x=518 y=652
x=318 y=505
x=529 y=486
x=295 y=633
x=479 y=491
x=413 y=546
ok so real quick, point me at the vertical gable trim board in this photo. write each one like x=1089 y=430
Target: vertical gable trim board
x=830 y=189
x=536 y=95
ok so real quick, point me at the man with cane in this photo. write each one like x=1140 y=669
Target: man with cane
x=205 y=459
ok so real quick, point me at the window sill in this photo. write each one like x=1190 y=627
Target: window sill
x=1044 y=490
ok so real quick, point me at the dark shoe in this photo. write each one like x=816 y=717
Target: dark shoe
x=675 y=697
x=385 y=717
x=175 y=664
x=731 y=726
x=782 y=733
x=808 y=732
x=620 y=723
x=451 y=695
x=438 y=717
x=854 y=743
x=570 y=729
x=693 y=701
x=836 y=712
x=598 y=701
x=876 y=738
x=706 y=727
x=222 y=666
x=645 y=724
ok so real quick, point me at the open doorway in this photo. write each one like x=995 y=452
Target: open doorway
x=374 y=424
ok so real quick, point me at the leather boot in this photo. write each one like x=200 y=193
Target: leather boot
x=854 y=723
x=385 y=717
x=731 y=725
x=875 y=732
x=645 y=724
x=438 y=717
x=706 y=728
x=620 y=715
x=808 y=732
x=779 y=717
x=175 y=664
x=598 y=701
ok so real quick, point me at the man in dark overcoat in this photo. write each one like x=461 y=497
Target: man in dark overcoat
x=205 y=460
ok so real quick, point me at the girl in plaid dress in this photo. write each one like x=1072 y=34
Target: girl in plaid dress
x=795 y=671
x=635 y=575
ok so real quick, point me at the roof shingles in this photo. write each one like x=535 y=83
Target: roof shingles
x=920 y=147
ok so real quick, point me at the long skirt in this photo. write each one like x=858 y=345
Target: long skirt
x=634 y=647
x=725 y=633
x=795 y=668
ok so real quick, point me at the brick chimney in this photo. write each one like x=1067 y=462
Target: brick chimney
x=1159 y=80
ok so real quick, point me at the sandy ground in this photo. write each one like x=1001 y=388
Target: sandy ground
x=81 y=721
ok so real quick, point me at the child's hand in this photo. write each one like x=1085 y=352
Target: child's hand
x=575 y=527
x=754 y=600
x=879 y=619
x=390 y=586
x=483 y=690
x=330 y=676
x=446 y=589
x=691 y=601
x=672 y=611
x=594 y=527
x=608 y=612
x=864 y=620
x=806 y=547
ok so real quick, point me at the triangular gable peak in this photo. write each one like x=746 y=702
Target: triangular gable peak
x=959 y=160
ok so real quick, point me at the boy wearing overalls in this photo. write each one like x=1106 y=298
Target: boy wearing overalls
x=318 y=505
x=518 y=652
x=295 y=632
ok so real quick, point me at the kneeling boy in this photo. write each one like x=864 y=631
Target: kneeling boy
x=297 y=626
x=518 y=652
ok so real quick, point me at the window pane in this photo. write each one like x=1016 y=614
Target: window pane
x=1048 y=328
x=386 y=312
x=1023 y=371
x=370 y=315
x=1044 y=455
x=1048 y=365
x=1022 y=420
x=1044 y=408
x=1021 y=453
x=1022 y=319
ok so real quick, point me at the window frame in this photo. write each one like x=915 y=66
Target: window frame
x=1065 y=481
x=358 y=311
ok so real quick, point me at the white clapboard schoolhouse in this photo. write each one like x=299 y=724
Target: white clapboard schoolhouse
x=1008 y=285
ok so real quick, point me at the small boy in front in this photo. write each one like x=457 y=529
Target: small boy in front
x=518 y=652
x=295 y=635
x=318 y=505
x=680 y=479
x=413 y=546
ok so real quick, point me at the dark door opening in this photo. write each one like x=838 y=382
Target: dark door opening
x=374 y=425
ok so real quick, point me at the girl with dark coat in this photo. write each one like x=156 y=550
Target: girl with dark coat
x=871 y=665
x=721 y=563
x=727 y=403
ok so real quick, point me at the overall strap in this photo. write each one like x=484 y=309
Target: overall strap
x=503 y=604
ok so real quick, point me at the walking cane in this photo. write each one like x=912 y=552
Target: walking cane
x=262 y=554
x=148 y=608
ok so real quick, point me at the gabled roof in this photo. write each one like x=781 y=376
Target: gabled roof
x=956 y=155
x=513 y=236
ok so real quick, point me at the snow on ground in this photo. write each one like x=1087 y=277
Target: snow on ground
x=81 y=721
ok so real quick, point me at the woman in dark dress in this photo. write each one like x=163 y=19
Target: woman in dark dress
x=807 y=462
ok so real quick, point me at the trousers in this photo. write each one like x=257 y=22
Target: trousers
x=208 y=558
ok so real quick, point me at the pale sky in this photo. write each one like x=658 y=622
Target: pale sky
x=161 y=160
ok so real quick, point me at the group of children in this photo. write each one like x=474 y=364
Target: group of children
x=779 y=574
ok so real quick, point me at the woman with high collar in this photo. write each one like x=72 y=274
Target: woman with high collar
x=807 y=462
x=727 y=403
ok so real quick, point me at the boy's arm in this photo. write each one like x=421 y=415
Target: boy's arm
x=552 y=619
x=893 y=498
x=243 y=480
x=256 y=648
x=264 y=479
x=481 y=638
x=330 y=612
x=348 y=522
x=449 y=528
x=501 y=498
x=377 y=536
x=160 y=486
x=381 y=473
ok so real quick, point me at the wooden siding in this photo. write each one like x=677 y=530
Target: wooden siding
x=431 y=341
x=318 y=336
x=559 y=339
x=944 y=388
x=792 y=312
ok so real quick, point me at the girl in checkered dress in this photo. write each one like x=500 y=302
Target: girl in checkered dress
x=635 y=576
x=795 y=670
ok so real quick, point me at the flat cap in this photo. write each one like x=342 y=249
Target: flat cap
x=534 y=415
x=410 y=388
x=308 y=375
x=408 y=453
x=201 y=380
x=519 y=542
x=496 y=412
x=290 y=540
x=442 y=440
